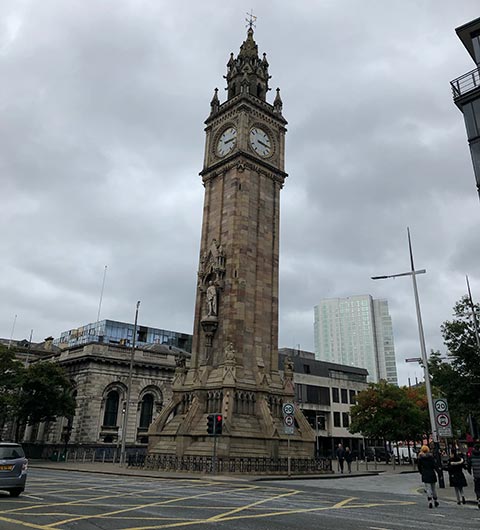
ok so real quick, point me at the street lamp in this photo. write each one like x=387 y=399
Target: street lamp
x=129 y=389
x=413 y=273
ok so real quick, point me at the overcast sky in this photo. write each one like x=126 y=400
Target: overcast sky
x=101 y=141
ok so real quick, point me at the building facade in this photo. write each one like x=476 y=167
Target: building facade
x=99 y=373
x=356 y=331
x=121 y=333
x=325 y=392
x=466 y=92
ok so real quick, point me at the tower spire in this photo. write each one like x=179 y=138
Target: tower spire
x=248 y=73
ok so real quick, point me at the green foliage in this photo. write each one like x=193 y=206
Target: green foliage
x=390 y=412
x=11 y=377
x=45 y=393
x=458 y=377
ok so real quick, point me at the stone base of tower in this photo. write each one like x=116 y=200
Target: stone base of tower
x=253 y=423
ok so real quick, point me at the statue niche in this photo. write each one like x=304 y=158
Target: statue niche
x=211 y=276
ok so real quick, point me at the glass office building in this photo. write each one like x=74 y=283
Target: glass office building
x=356 y=331
x=121 y=333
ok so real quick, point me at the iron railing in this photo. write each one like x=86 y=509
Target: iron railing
x=465 y=83
x=204 y=464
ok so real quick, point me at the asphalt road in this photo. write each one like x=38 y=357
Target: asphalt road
x=67 y=500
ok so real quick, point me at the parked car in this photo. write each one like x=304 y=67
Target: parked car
x=13 y=468
x=378 y=454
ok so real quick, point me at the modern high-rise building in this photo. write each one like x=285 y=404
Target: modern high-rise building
x=466 y=92
x=356 y=331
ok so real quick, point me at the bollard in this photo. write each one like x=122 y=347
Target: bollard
x=75 y=456
x=93 y=456
x=84 y=456
x=358 y=464
x=103 y=457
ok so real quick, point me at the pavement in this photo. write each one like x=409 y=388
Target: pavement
x=359 y=469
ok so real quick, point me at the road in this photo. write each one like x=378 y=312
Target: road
x=67 y=500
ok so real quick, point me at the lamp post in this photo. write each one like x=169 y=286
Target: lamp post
x=129 y=390
x=413 y=273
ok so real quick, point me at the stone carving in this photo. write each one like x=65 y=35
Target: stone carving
x=230 y=353
x=211 y=299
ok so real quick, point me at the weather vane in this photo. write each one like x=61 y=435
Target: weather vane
x=251 y=20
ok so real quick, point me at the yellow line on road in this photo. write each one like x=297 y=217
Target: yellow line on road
x=141 y=506
x=220 y=517
x=21 y=523
x=338 y=506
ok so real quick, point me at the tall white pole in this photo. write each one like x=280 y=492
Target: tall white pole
x=129 y=389
x=101 y=293
x=13 y=330
x=474 y=314
x=423 y=349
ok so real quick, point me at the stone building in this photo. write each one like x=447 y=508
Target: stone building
x=325 y=392
x=99 y=373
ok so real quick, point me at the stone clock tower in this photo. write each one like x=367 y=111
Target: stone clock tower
x=234 y=364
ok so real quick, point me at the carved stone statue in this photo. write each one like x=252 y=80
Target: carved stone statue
x=211 y=300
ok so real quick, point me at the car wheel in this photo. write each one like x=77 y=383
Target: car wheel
x=15 y=492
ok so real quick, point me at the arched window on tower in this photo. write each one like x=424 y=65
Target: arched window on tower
x=146 y=412
x=111 y=409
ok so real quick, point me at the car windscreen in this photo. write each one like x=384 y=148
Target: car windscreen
x=10 y=452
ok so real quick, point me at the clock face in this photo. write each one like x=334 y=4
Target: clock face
x=227 y=141
x=260 y=142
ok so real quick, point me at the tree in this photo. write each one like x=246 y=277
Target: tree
x=385 y=411
x=458 y=377
x=11 y=376
x=45 y=394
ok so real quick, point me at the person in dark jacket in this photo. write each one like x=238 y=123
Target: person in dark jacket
x=340 y=457
x=474 y=470
x=456 y=476
x=427 y=468
x=348 y=458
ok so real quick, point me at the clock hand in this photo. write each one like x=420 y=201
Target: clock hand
x=228 y=141
x=264 y=145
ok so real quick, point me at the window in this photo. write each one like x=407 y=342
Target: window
x=344 y=395
x=317 y=394
x=336 y=419
x=111 y=409
x=146 y=412
x=306 y=368
x=345 y=420
x=335 y=395
x=353 y=399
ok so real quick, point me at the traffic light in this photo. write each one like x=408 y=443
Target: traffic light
x=214 y=424
x=211 y=424
x=218 y=423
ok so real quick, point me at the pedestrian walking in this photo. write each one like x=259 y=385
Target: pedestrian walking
x=456 y=476
x=474 y=470
x=427 y=468
x=348 y=458
x=340 y=457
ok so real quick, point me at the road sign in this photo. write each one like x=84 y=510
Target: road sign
x=289 y=421
x=414 y=360
x=441 y=405
x=288 y=409
x=289 y=430
x=442 y=418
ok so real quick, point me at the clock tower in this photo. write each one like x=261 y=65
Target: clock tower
x=234 y=366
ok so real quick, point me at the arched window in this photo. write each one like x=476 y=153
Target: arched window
x=111 y=409
x=146 y=412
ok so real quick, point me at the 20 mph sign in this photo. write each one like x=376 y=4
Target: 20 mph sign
x=442 y=418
